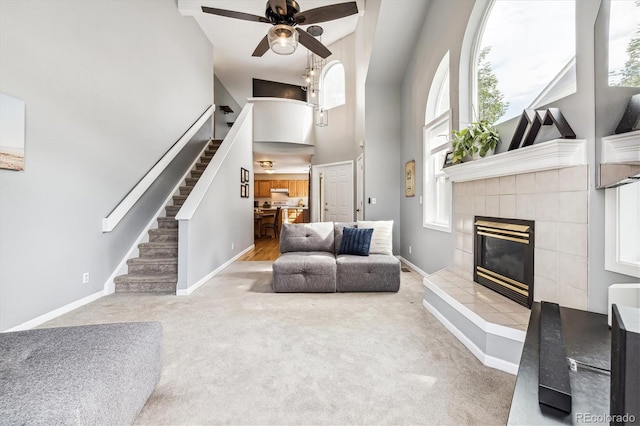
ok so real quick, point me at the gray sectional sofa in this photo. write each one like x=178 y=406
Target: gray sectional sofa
x=86 y=375
x=309 y=262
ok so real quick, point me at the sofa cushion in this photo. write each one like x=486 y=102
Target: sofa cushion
x=86 y=375
x=338 y=228
x=305 y=237
x=381 y=241
x=304 y=272
x=356 y=241
x=377 y=272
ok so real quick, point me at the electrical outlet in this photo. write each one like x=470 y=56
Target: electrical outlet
x=409 y=249
x=85 y=278
x=232 y=245
x=421 y=199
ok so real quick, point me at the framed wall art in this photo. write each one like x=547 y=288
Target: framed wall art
x=410 y=179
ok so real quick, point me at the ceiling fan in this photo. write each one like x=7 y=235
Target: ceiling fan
x=285 y=15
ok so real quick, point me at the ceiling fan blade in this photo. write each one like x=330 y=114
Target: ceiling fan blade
x=262 y=47
x=278 y=6
x=312 y=44
x=234 y=14
x=326 y=13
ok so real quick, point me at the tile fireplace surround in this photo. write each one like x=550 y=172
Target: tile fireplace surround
x=547 y=183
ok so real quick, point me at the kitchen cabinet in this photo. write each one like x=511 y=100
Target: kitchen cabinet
x=264 y=188
x=278 y=184
x=302 y=188
x=297 y=188
x=293 y=192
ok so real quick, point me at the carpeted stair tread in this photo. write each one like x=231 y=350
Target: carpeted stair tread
x=178 y=200
x=163 y=234
x=143 y=283
x=153 y=265
x=167 y=223
x=151 y=260
x=172 y=211
x=159 y=244
x=186 y=189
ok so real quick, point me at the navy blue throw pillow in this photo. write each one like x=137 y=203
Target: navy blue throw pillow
x=356 y=241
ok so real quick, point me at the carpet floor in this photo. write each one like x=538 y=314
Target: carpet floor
x=237 y=353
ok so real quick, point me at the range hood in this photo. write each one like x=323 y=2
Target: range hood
x=280 y=191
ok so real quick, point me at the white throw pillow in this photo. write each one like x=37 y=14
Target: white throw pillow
x=381 y=240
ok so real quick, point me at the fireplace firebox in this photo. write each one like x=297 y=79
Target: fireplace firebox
x=503 y=256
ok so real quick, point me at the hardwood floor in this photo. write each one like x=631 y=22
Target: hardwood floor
x=267 y=248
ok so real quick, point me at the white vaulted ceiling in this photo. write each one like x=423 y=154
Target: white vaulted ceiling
x=234 y=41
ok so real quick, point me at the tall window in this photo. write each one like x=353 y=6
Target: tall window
x=437 y=186
x=519 y=64
x=332 y=85
x=624 y=43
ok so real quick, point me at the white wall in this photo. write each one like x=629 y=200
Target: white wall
x=340 y=140
x=109 y=87
x=282 y=121
x=223 y=97
x=383 y=180
x=215 y=223
x=442 y=30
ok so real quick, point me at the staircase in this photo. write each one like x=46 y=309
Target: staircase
x=156 y=270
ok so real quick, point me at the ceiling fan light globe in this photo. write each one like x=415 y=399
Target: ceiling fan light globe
x=283 y=39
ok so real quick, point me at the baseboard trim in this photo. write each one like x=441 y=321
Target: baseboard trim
x=414 y=267
x=57 y=312
x=485 y=359
x=203 y=280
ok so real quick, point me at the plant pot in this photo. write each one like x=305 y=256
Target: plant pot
x=476 y=155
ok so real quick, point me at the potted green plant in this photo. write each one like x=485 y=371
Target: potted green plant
x=480 y=138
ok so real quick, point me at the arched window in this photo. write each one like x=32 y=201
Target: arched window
x=518 y=64
x=332 y=85
x=437 y=186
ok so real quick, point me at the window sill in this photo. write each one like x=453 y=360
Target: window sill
x=437 y=227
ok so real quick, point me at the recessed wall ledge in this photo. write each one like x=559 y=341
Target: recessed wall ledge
x=622 y=148
x=554 y=154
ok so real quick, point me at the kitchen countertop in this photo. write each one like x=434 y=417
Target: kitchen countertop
x=282 y=207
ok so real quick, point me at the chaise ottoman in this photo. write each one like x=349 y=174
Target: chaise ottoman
x=94 y=374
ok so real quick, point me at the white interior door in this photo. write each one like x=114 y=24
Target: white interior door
x=338 y=192
x=360 y=187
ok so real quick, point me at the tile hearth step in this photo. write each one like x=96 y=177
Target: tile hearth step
x=491 y=326
x=146 y=283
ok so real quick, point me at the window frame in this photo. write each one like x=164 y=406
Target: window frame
x=612 y=256
x=430 y=203
x=322 y=87
x=468 y=71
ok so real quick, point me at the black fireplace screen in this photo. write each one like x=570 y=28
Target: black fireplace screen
x=504 y=257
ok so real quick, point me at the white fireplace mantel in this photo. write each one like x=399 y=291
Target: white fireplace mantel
x=622 y=148
x=554 y=154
